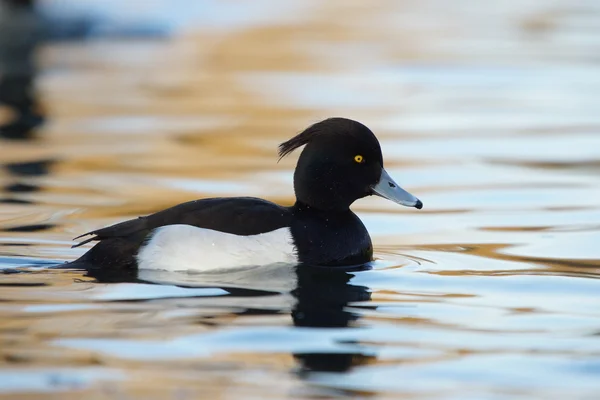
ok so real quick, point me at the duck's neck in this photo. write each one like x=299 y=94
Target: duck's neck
x=325 y=237
x=304 y=207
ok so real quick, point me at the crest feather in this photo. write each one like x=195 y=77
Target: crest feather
x=328 y=126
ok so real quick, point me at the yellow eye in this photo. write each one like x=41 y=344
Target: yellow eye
x=359 y=159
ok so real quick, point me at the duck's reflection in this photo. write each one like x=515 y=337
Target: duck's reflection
x=323 y=299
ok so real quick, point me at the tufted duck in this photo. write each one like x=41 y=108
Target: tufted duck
x=341 y=163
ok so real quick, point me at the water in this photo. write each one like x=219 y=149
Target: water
x=489 y=114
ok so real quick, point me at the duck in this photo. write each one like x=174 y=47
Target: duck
x=341 y=162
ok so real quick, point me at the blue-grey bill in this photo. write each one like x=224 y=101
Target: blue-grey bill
x=388 y=189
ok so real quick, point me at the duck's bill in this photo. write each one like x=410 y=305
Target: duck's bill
x=388 y=189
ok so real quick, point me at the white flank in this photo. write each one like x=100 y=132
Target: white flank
x=187 y=248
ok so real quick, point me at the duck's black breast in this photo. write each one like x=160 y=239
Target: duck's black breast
x=330 y=238
x=244 y=216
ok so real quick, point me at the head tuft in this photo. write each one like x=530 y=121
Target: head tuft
x=329 y=126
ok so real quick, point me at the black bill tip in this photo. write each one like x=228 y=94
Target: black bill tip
x=419 y=205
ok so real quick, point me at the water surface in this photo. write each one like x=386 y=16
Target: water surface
x=487 y=114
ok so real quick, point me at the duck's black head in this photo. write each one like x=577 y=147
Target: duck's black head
x=341 y=163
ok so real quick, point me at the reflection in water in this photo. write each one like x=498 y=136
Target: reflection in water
x=29 y=228
x=30 y=168
x=19 y=187
x=111 y=275
x=20 y=35
x=25 y=170
x=323 y=298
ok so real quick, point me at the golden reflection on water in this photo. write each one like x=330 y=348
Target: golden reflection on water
x=489 y=114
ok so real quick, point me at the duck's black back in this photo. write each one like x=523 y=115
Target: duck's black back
x=119 y=244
